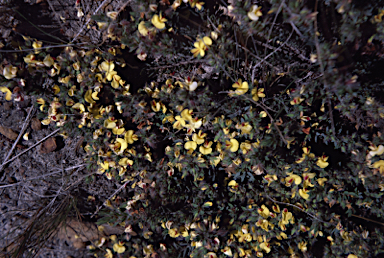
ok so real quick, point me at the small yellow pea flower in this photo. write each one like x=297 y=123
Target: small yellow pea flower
x=119 y=247
x=8 y=94
x=240 y=86
x=257 y=93
x=9 y=72
x=130 y=137
x=36 y=45
x=158 y=21
x=322 y=161
x=254 y=13
x=232 y=145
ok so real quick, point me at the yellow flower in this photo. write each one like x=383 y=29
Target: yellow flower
x=206 y=148
x=380 y=165
x=376 y=150
x=156 y=106
x=245 y=147
x=103 y=167
x=199 y=138
x=292 y=178
x=227 y=251
x=207 y=204
x=232 y=145
x=306 y=153
x=193 y=124
x=264 y=224
x=265 y=246
x=322 y=161
x=174 y=232
x=119 y=146
x=76 y=66
x=168 y=118
x=48 y=61
x=307 y=179
x=201 y=46
x=352 y=256
x=36 y=45
x=302 y=246
x=286 y=216
x=30 y=59
x=116 y=81
x=109 y=75
x=197 y=3
x=263 y=114
x=304 y=193
x=270 y=178
x=241 y=88
x=110 y=123
x=257 y=93
x=158 y=21
x=179 y=123
x=245 y=128
x=107 y=66
x=263 y=211
x=130 y=137
x=8 y=94
x=186 y=114
x=321 y=181
x=80 y=107
x=125 y=162
x=88 y=97
x=255 y=13
x=119 y=247
x=215 y=161
x=296 y=101
x=233 y=186
x=9 y=72
x=56 y=89
x=108 y=254
x=191 y=145
x=142 y=29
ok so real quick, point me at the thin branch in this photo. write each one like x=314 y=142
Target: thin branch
x=270 y=117
x=40 y=48
x=34 y=145
x=323 y=72
x=88 y=21
x=26 y=122
x=42 y=176
x=110 y=197
x=274 y=20
x=367 y=219
x=177 y=64
x=289 y=204
x=266 y=111
x=277 y=49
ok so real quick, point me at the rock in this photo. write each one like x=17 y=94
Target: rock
x=36 y=124
x=7 y=132
x=78 y=232
x=7 y=105
x=48 y=146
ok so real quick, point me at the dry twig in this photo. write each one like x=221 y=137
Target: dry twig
x=34 y=145
x=26 y=122
x=318 y=50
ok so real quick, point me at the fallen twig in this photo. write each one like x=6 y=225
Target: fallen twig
x=88 y=21
x=34 y=145
x=110 y=197
x=322 y=71
x=26 y=122
x=42 y=176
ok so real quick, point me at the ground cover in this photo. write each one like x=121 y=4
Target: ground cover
x=191 y=129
